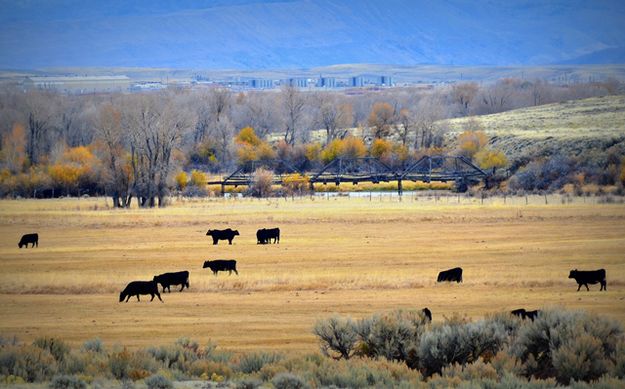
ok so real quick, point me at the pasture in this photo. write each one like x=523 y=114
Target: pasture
x=336 y=255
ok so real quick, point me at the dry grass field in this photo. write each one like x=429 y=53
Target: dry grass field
x=337 y=255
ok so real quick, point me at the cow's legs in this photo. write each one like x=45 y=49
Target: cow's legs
x=138 y=299
x=587 y=288
x=152 y=294
x=604 y=286
x=181 y=289
x=36 y=243
x=128 y=298
x=236 y=272
x=229 y=241
x=214 y=241
x=578 y=287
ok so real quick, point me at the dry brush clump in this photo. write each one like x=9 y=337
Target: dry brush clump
x=563 y=345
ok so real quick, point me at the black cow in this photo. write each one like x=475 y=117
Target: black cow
x=427 y=313
x=589 y=277
x=226 y=234
x=29 y=238
x=264 y=235
x=451 y=275
x=135 y=288
x=228 y=265
x=523 y=314
x=177 y=278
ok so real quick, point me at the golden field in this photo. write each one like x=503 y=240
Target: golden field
x=351 y=256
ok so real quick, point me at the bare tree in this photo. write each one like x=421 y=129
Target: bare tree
x=333 y=116
x=115 y=157
x=213 y=107
x=156 y=127
x=428 y=111
x=40 y=108
x=464 y=94
x=293 y=110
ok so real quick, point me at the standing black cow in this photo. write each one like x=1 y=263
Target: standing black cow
x=29 y=238
x=589 y=277
x=227 y=234
x=135 y=288
x=264 y=235
x=229 y=265
x=177 y=278
x=451 y=275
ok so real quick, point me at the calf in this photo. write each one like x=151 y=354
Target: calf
x=227 y=234
x=523 y=314
x=177 y=278
x=451 y=275
x=135 y=288
x=589 y=277
x=217 y=265
x=264 y=235
x=29 y=238
x=427 y=313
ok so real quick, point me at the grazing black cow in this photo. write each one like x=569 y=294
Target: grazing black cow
x=135 y=288
x=29 y=238
x=523 y=314
x=227 y=234
x=589 y=277
x=228 y=265
x=177 y=278
x=427 y=313
x=264 y=235
x=451 y=275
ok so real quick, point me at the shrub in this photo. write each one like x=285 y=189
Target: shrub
x=67 y=382
x=288 y=381
x=262 y=180
x=338 y=336
x=157 y=381
x=203 y=367
x=568 y=345
x=56 y=347
x=251 y=363
x=28 y=362
x=296 y=183
x=181 y=180
x=458 y=342
x=93 y=345
x=248 y=383
x=394 y=336
x=119 y=364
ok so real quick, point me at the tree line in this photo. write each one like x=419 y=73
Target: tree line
x=130 y=146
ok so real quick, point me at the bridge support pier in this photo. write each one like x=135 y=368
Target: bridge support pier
x=400 y=189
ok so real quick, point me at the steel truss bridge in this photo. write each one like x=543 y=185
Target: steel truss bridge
x=367 y=169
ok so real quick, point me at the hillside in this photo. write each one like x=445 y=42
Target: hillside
x=571 y=127
x=254 y=34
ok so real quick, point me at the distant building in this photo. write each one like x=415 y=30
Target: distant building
x=386 y=81
x=297 y=82
x=260 y=83
x=79 y=84
x=357 y=81
x=327 y=82
x=147 y=86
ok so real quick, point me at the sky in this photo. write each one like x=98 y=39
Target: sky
x=254 y=34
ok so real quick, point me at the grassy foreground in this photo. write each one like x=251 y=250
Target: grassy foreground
x=337 y=255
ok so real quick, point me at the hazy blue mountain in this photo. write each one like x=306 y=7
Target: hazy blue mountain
x=258 y=34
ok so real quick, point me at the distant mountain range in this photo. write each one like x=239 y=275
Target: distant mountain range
x=254 y=34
